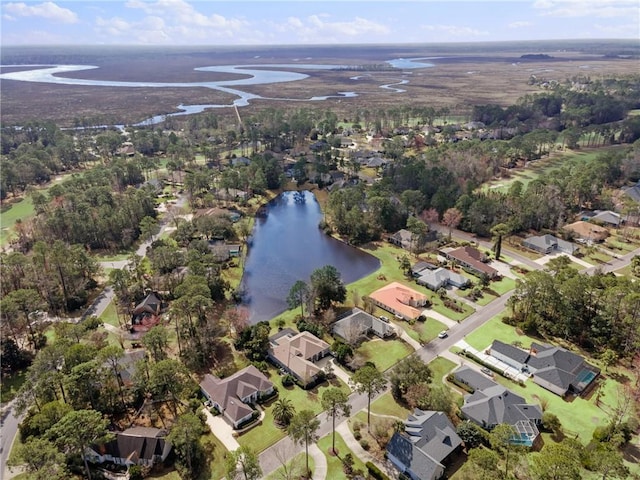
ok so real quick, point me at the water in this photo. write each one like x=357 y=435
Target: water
x=287 y=246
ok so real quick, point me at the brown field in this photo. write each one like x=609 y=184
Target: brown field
x=461 y=78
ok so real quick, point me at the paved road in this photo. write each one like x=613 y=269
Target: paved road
x=7 y=435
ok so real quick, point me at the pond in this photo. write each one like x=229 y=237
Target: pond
x=287 y=246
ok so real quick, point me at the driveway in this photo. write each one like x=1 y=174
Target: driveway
x=547 y=258
x=337 y=369
x=222 y=430
x=508 y=370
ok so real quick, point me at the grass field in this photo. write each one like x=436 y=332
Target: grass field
x=296 y=464
x=440 y=367
x=110 y=315
x=482 y=337
x=21 y=209
x=424 y=331
x=386 y=405
x=10 y=385
x=334 y=462
x=384 y=353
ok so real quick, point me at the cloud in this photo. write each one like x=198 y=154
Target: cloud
x=183 y=13
x=519 y=24
x=455 y=31
x=587 y=8
x=48 y=10
x=319 y=28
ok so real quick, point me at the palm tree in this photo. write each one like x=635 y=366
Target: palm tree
x=302 y=431
x=283 y=412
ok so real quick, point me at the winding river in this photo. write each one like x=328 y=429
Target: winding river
x=252 y=75
x=287 y=246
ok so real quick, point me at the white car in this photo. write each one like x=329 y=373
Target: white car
x=443 y=334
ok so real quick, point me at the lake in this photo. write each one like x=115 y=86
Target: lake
x=287 y=246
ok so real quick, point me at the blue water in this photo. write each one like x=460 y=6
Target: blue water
x=287 y=246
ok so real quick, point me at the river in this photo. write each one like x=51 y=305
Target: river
x=287 y=246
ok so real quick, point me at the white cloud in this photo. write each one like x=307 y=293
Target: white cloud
x=629 y=30
x=456 y=31
x=48 y=10
x=519 y=24
x=587 y=8
x=319 y=28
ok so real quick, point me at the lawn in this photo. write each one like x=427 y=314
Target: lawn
x=440 y=367
x=425 y=331
x=334 y=462
x=21 y=209
x=110 y=315
x=297 y=463
x=439 y=307
x=10 y=386
x=595 y=256
x=267 y=434
x=503 y=286
x=482 y=337
x=386 y=405
x=619 y=243
x=384 y=353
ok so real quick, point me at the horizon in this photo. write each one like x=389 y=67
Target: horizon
x=171 y=23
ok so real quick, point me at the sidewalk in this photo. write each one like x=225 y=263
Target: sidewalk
x=320 y=461
x=361 y=453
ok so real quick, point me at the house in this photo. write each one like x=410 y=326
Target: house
x=297 y=354
x=405 y=239
x=419 y=267
x=126 y=365
x=549 y=244
x=496 y=404
x=586 y=231
x=357 y=324
x=400 y=300
x=605 y=217
x=240 y=162
x=223 y=251
x=472 y=378
x=134 y=446
x=146 y=314
x=233 y=395
x=126 y=150
x=429 y=442
x=633 y=192
x=441 y=277
x=472 y=259
x=554 y=368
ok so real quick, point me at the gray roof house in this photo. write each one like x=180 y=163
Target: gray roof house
x=472 y=378
x=606 y=217
x=497 y=404
x=633 y=192
x=554 y=368
x=404 y=238
x=426 y=446
x=549 y=244
x=357 y=324
x=134 y=446
x=441 y=277
x=232 y=395
x=418 y=267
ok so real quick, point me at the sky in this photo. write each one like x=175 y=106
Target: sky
x=262 y=22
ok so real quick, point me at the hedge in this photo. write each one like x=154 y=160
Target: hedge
x=375 y=472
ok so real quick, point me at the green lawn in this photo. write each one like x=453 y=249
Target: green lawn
x=10 y=386
x=440 y=367
x=297 y=463
x=386 y=405
x=424 y=331
x=503 y=286
x=482 y=337
x=267 y=434
x=439 y=307
x=596 y=257
x=21 y=209
x=334 y=462
x=110 y=315
x=384 y=353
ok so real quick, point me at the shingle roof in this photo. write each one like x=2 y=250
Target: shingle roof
x=515 y=353
x=400 y=298
x=428 y=439
x=473 y=257
x=497 y=404
x=228 y=392
x=296 y=351
x=473 y=378
x=137 y=443
x=359 y=323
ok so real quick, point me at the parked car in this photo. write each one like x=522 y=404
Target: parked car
x=486 y=371
x=384 y=319
x=443 y=334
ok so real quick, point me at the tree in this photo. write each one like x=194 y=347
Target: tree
x=298 y=296
x=43 y=461
x=409 y=371
x=336 y=403
x=499 y=231
x=557 y=461
x=327 y=286
x=418 y=231
x=551 y=422
x=283 y=412
x=243 y=463
x=607 y=460
x=471 y=434
x=370 y=381
x=169 y=380
x=156 y=342
x=302 y=430
x=185 y=438
x=78 y=430
x=451 y=218
x=501 y=438
x=608 y=358
x=483 y=463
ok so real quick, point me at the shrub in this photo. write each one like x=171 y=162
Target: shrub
x=364 y=443
x=375 y=472
x=357 y=435
x=288 y=380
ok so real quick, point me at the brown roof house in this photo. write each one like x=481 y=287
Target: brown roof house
x=147 y=313
x=586 y=231
x=233 y=395
x=297 y=354
x=472 y=259
x=400 y=300
x=134 y=446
